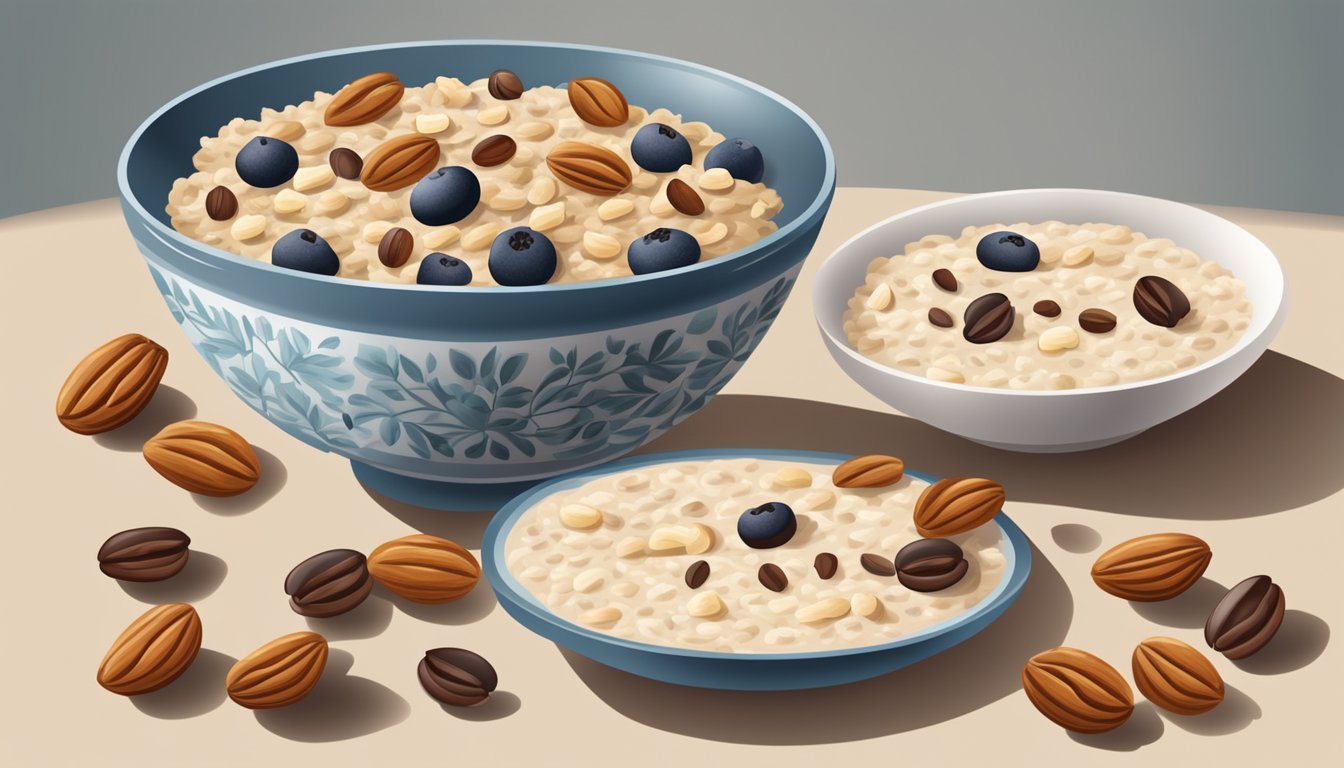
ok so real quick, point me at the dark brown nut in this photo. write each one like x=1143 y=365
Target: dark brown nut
x=494 y=150
x=329 y=583
x=684 y=199
x=1176 y=677
x=871 y=471
x=395 y=248
x=928 y=565
x=697 y=574
x=1155 y=567
x=1247 y=617
x=144 y=554
x=505 y=85
x=598 y=102
x=772 y=577
x=826 y=565
x=1046 y=308
x=1077 y=690
x=364 y=100
x=278 y=673
x=345 y=163
x=1094 y=320
x=221 y=204
x=939 y=317
x=153 y=651
x=111 y=384
x=457 y=676
x=988 y=319
x=877 y=564
x=943 y=278
x=956 y=505
x=1159 y=301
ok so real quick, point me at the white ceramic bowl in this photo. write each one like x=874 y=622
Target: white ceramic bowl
x=1063 y=420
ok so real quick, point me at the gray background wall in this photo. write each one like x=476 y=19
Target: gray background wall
x=1216 y=101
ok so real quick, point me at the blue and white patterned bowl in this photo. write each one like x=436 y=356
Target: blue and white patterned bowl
x=460 y=397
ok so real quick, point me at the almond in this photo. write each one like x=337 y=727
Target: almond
x=956 y=505
x=1154 y=567
x=685 y=199
x=589 y=168
x=153 y=651
x=424 y=568
x=598 y=102
x=111 y=384
x=204 y=458
x=364 y=100
x=400 y=162
x=1077 y=690
x=278 y=673
x=874 y=471
x=1176 y=677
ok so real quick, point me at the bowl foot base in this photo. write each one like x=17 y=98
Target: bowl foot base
x=1062 y=448
x=435 y=494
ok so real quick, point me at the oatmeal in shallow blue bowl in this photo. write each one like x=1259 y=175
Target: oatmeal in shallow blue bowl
x=459 y=397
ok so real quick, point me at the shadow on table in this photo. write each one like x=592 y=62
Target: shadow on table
x=1301 y=639
x=273 y=477
x=962 y=679
x=500 y=705
x=465 y=528
x=1269 y=442
x=368 y=619
x=1234 y=713
x=168 y=405
x=199 y=690
x=1141 y=729
x=198 y=579
x=477 y=604
x=341 y=707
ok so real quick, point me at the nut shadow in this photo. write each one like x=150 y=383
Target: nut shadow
x=368 y=619
x=1234 y=713
x=274 y=475
x=168 y=405
x=199 y=579
x=1141 y=729
x=1076 y=538
x=476 y=605
x=1232 y=435
x=342 y=706
x=465 y=528
x=1301 y=640
x=500 y=705
x=867 y=709
x=199 y=690
x=1188 y=610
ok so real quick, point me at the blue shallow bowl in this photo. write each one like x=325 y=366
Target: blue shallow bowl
x=732 y=671
x=460 y=397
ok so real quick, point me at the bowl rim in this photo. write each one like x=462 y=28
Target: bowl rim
x=1272 y=313
x=223 y=259
x=1016 y=547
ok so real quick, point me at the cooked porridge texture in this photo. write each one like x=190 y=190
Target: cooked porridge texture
x=1046 y=306
x=367 y=197
x=620 y=553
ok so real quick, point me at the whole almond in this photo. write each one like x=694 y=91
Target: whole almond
x=598 y=102
x=589 y=168
x=111 y=384
x=153 y=651
x=956 y=505
x=873 y=471
x=1176 y=677
x=424 y=568
x=221 y=204
x=278 y=673
x=1159 y=566
x=685 y=199
x=400 y=162
x=364 y=100
x=1077 y=690
x=204 y=458
x=395 y=248
x=494 y=150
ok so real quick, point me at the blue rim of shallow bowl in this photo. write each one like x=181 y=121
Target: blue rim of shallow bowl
x=1017 y=553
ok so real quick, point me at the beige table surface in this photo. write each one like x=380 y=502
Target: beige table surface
x=1257 y=471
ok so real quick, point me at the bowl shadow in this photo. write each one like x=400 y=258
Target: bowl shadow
x=274 y=475
x=867 y=709
x=169 y=405
x=1229 y=436
x=465 y=528
x=199 y=690
x=368 y=619
x=199 y=579
x=342 y=706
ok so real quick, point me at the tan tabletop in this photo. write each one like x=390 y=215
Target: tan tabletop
x=1257 y=471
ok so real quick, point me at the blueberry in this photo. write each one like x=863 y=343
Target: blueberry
x=522 y=256
x=740 y=157
x=266 y=162
x=1008 y=252
x=306 y=251
x=662 y=249
x=442 y=269
x=770 y=525
x=659 y=148
x=445 y=196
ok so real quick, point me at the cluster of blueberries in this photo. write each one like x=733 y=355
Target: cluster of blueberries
x=519 y=256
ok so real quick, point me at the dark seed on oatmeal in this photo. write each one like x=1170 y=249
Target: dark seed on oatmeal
x=505 y=85
x=684 y=199
x=826 y=565
x=221 y=204
x=1159 y=301
x=1094 y=320
x=395 y=248
x=697 y=574
x=944 y=279
x=345 y=163
x=772 y=577
x=1046 y=308
x=493 y=150
x=940 y=318
x=988 y=319
x=877 y=564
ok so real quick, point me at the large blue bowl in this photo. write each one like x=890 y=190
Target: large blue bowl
x=739 y=671
x=458 y=397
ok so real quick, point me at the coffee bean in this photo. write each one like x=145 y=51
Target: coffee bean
x=494 y=150
x=696 y=574
x=144 y=554
x=1095 y=320
x=988 y=319
x=1246 y=618
x=505 y=85
x=928 y=565
x=1046 y=308
x=1159 y=301
x=345 y=163
x=944 y=279
x=939 y=317
x=877 y=565
x=457 y=676
x=772 y=577
x=329 y=583
x=826 y=565
x=221 y=204
x=395 y=248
